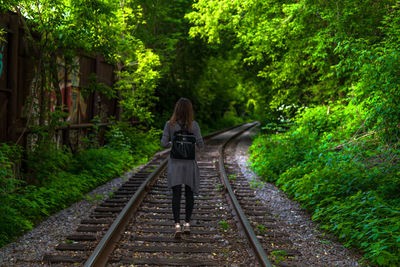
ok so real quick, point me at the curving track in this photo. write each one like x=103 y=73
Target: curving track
x=135 y=227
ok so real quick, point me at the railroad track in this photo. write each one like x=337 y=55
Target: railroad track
x=135 y=227
x=276 y=244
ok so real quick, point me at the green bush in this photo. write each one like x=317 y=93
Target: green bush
x=283 y=151
x=64 y=180
x=10 y=220
x=229 y=119
x=350 y=184
x=12 y=223
x=45 y=161
x=10 y=155
x=137 y=141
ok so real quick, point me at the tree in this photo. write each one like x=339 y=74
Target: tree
x=69 y=28
x=293 y=44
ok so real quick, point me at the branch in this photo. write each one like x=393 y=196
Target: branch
x=339 y=147
x=288 y=19
x=26 y=29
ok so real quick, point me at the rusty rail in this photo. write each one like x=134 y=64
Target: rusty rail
x=257 y=247
x=107 y=243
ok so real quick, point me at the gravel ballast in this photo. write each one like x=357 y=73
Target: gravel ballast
x=317 y=248
x=30 y=248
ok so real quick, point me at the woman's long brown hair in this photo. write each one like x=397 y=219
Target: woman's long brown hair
x=183 y=112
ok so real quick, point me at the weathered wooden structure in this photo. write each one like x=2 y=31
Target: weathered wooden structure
x=16 y=74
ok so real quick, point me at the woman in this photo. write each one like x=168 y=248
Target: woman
x=182 y=171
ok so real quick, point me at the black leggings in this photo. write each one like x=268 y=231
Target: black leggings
x=176 y=202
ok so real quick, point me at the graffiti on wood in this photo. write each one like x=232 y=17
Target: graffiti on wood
x=21 y=86
x=72 y=97
x=78 y=109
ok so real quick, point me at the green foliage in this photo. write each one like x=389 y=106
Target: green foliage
x=312 y=52
x=219 y=187
x=278 y=255
x=229 y=119
x=255 y=184
x=62 y=178
x=123 y=32
x=224 y=225
x=12 y=223
x=2 y=33
x=190 y=68
x=379 y=91
x=165 y=30
x=349 y=180
x=138 y=142
x=95 y=198
x=217 y=93
x=10 y=156
x=52 y=160
x=28 y=205
x=266 y=59
x=91 y=140
x=261 y=228
x=137 y=83
x=71 y=28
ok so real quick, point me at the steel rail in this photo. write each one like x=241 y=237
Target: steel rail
x=165 y=151
x=106 y=245
x=257 y=247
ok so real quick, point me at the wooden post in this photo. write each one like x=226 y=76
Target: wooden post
x=12 y=78
x=95 y=109
x=65 y=132
x=118 y=115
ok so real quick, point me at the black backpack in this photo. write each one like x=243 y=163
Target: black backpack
x=183 y=144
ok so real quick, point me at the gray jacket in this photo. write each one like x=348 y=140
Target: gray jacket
x=181 y=171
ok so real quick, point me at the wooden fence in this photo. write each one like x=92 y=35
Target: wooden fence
x=16 y=74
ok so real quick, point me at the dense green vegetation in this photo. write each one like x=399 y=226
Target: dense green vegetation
x=350 y=182
x=209 y=76
x=321 y=76
x=61 y=178
x=46 y=177
x=331 y=90
x=156 y=63
x=309 y=52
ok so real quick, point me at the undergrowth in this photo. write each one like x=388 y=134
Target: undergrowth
x=229 y=119
x=343 y=173
x=61 y=178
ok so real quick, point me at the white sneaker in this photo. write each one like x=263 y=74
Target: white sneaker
x=186 y=228
x=178 y=231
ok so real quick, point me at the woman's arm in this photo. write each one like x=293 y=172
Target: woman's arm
x=197 y=134
x=165 y=139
